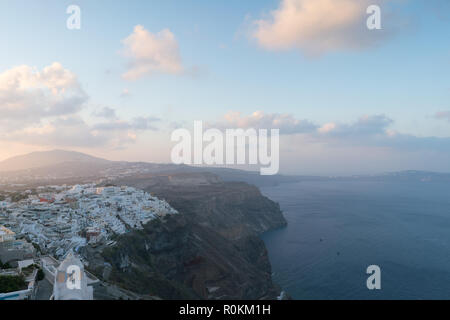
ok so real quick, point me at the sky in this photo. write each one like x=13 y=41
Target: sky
x=347 y=100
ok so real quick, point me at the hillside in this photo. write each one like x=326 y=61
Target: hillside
x=210 y=251
x=60 y=166
x=47 y=158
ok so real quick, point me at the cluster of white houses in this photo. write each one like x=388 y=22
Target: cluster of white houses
x=58 y=220
x=61 y=218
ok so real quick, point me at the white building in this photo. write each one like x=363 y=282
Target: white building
x=6 y=234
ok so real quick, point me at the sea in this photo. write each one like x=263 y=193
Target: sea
x=337 y=229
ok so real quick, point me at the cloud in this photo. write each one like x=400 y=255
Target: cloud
x=151 y=53
x=138 y=124
x=106 y=112
x=442 y=115
x=43 y=107
x=73 y=131
x=259 y=120
x=70 y=131
x=317 y=26
x=125 y=93
x=327 y=127
x=27 y=95
x=364 y=126
x=376 y=131
x=369 y=131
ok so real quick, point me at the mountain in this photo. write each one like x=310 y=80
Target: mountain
x=48 y=158
x=400 y=176
x=60 y=166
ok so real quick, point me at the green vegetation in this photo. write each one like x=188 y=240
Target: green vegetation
x=40 y=275
x=16 y=197
x=4 y=265
x=37 y=247
x=12 y=283
x=28 y=271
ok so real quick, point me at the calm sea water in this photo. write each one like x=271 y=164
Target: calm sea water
x=337 y=229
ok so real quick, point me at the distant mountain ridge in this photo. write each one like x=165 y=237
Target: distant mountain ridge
x=47 y=158
x=62 y=164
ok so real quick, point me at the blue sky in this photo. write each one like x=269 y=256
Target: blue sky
x=404 y=76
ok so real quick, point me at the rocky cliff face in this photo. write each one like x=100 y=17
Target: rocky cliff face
x=211 y=250
x=233 y=209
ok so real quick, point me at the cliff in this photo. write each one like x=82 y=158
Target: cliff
x=211 y=250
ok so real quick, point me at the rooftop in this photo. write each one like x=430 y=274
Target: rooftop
x=5 y=231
